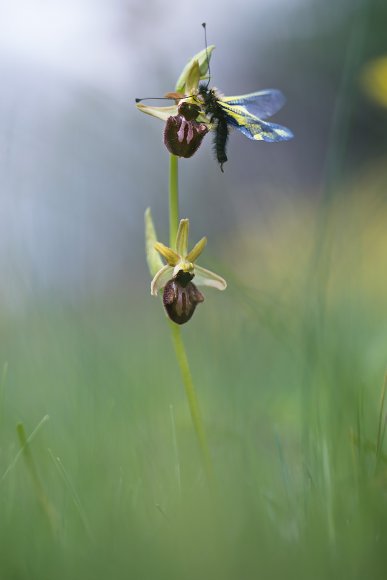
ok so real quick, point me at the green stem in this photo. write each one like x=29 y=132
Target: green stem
x=193 y=401
x=181 y=355
x=173 y=199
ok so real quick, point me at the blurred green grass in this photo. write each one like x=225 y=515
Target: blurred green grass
x=289 y=364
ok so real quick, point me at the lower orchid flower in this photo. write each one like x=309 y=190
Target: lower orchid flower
x=180 y=294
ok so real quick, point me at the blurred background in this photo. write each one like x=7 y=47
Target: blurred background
x=289 y=362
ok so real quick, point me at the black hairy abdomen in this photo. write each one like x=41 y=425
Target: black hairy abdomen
x=220 y=140
x=218 y=117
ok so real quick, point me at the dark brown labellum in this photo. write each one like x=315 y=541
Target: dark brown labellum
x=183 y=137
x=180 y=297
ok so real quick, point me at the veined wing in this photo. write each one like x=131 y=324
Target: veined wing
x=269 y=132
x=257 y=129
x=262 y=104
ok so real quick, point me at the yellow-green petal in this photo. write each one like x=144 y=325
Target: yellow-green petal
x=193 y=255
x=169 y=254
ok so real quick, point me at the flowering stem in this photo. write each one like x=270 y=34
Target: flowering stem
x=181 y=354
x=173 y=199
x=192 y=399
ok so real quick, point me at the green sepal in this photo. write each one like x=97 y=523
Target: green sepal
x=202 y=58
x=162 y=113
x=182 y=238
x=153 y=259
x=193 y=78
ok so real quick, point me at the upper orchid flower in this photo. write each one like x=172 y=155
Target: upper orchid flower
x=185 y=123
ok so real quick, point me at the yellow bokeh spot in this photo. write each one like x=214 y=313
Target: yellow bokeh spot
x=374 y=80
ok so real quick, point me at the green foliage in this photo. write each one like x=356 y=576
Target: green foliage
x=291 y=400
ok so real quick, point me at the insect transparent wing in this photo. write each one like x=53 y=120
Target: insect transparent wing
x=262 y=104
x=262 y=131
x=257 y=129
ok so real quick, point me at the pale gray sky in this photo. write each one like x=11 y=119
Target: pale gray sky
x=72 y=145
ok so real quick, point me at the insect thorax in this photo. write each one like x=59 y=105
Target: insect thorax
x=210 y=101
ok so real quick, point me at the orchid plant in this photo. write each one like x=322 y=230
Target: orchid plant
x=185 y=127
x=197 y=110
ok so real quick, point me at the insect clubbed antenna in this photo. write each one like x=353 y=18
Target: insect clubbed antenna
x=137 y=100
